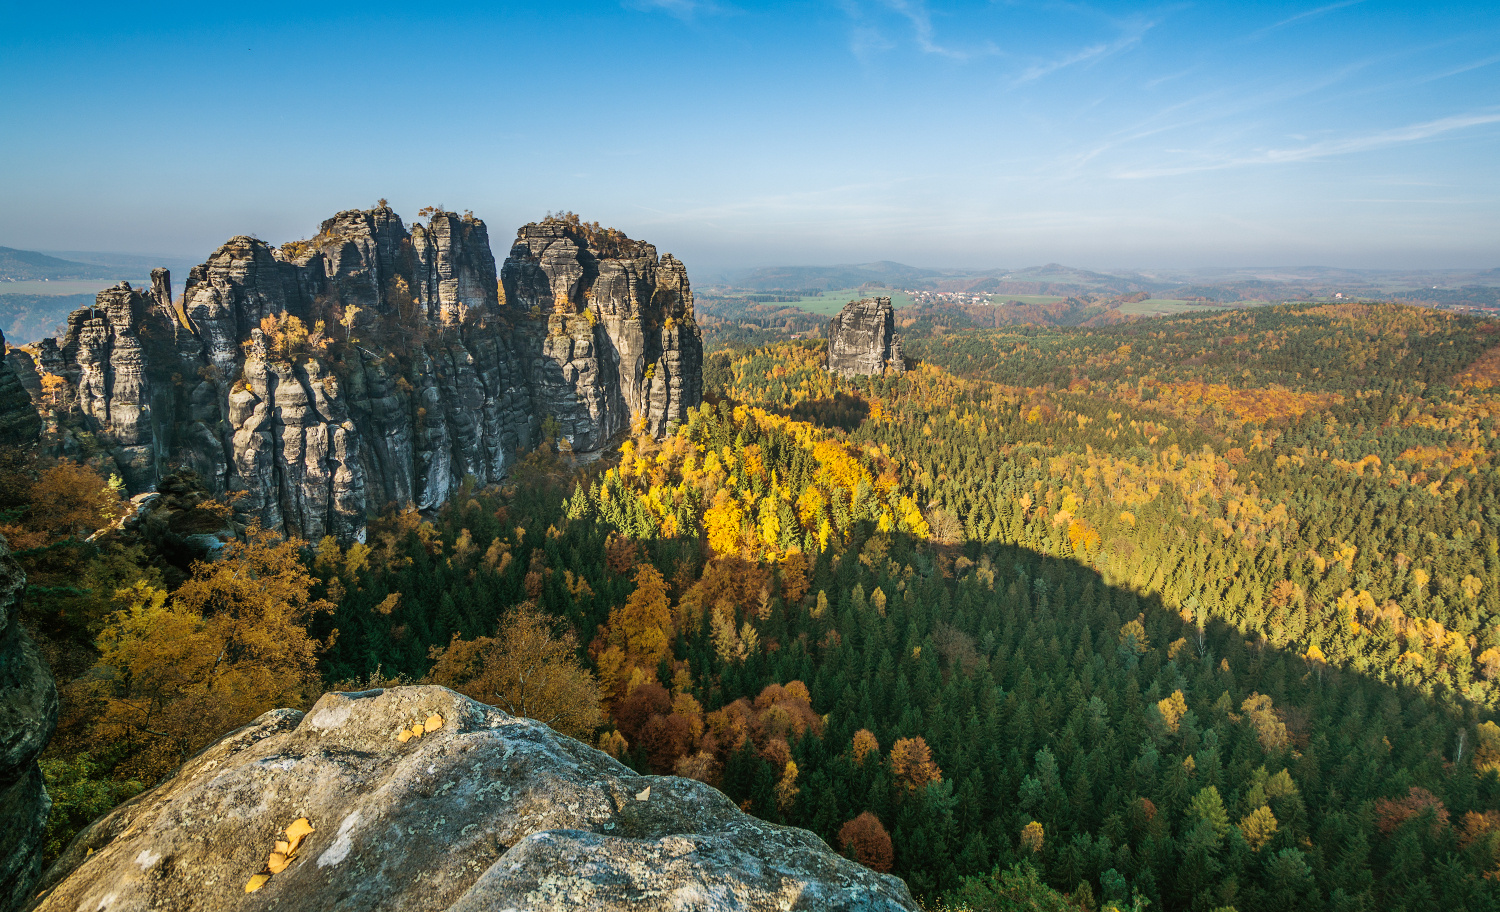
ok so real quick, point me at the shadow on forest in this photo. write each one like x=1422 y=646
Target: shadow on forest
x=1000 y=655
x=841 y=411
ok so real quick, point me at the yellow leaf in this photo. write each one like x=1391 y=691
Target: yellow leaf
x=434 y=722
x=644 y=796
x=277 y=863
x=416 y=730
x=299 y=830
x=404 y=737
x=283 y=847
x=257 y=882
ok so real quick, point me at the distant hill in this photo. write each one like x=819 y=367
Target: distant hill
x=828 y=278
x=125 y=265
x=30 y=266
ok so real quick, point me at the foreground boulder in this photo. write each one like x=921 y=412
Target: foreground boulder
x=28 y=715
x=422 y=799
x=862 y=340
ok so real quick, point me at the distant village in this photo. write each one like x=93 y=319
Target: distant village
x=948 y=297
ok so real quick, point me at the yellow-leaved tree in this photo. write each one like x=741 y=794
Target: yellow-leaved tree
x=525 y=670
x=176 y=672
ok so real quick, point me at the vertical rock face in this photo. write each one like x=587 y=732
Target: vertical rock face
x=611 y=335
x=373 y=364
x=28 y=715
x=106 y=353
x=19 y=422
x=862 y=339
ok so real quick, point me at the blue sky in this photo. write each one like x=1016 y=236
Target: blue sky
x=1353 y=133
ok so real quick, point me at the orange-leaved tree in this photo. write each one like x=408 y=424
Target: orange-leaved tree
x=912 y=763
x=525 y=670
x=638 y=636
x=231 y=643
x=865 y=839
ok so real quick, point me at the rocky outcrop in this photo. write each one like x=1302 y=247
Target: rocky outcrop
x=19 y=422
x=372 y=364
x=482 y=811
x=612 y=336
x=862 y=340
x=28 y=715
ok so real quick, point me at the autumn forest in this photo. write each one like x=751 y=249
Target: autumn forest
x=1193 y=612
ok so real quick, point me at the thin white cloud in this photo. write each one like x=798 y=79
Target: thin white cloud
x=1308 y=14
x=866 y=35
x=1132 y=36
x=1464 y=68
x=1325 y=149
x=916 y=12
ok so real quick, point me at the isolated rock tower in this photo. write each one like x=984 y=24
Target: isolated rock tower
x=862 y=340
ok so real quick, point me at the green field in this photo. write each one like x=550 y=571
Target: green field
x=831 y=302
x=65 y=286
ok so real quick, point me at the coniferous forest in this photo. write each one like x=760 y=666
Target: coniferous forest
x=1197 y=612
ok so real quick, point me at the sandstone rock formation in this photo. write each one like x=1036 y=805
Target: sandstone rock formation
x=483 y=811
x=371 y=364
x=19 y=422
x=862 y=340
x=28 y=715
x=619 y=339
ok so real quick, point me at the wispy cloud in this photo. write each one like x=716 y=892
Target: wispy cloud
x=916 y=13
x=1132 y=36
x=1462 y=68
x=1325 y=149
x=1308 y=14
x=866 y=35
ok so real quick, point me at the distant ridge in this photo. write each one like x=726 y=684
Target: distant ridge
x=126 y=264
x=829 y=278
x=31 y=266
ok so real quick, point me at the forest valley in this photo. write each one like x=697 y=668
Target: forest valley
x=1198 y=612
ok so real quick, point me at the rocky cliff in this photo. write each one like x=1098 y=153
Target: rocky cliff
x=417 y=798
x=862 y=339
x=28 y=714
x=371 y=363
x=19 y=423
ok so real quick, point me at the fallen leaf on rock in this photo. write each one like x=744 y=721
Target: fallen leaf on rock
x=404 y=737
x=257 y=882
x=278 y=862
x=434 y=722
x=299 y=830
x=644 y=796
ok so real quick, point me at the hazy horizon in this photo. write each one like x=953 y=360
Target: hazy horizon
x=1357 y=134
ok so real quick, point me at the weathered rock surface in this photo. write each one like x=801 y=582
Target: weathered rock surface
x=862 y=339
x=419 y=376
x=19 y=422
x=28 y=716
x=612 y=335
x=483 y=812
